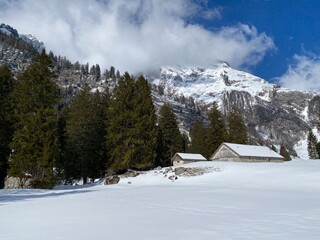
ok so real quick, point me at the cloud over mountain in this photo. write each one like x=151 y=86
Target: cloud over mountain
x=135 y=35
x=303 y=75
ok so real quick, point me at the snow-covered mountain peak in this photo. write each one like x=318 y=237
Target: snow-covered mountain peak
x=28 y=38
x=8 y=30
x=33 y=41
x=210 y=84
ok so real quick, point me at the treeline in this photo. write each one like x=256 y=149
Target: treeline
x=61 y=63
x=206 y=140
x=98 y=131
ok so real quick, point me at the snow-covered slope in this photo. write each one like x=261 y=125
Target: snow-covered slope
x=263 y=201
x=211 y=84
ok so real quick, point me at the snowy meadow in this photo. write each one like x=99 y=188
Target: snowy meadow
x=233 y=201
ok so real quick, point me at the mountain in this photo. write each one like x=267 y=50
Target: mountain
x=17 y=50
x=274 y=115
x=28 y=38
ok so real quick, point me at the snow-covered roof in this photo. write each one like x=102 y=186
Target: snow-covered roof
x=252 y=150
x=191 y=156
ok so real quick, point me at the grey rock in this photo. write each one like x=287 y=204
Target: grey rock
x=15 y=183
x=114 y=179
x=130 y=173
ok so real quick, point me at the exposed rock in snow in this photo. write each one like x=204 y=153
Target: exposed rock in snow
x=16 y=183
x=113 y=179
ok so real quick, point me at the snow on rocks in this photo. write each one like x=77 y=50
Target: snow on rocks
x=113 y=179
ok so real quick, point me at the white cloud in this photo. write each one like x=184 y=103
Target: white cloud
x=215 y=13
x=303 y=75
x=134 y=35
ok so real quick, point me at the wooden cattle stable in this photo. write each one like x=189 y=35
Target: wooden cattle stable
x=183 y=158
x=245 y=153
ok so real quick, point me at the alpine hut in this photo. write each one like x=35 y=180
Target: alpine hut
x=245 y=153
x=183 y=158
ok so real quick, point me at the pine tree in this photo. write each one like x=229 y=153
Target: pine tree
x=198 y=139
x=112 y=72
x=85 y=138
x=160 y=148
x=284 y=153
x=35 y=141
x=237 y=130
x=117 y=74
x=216 y=132
x=86 y=69
x=6 y=119
x=185 y=143
x=93 y=70
x=132 y=126
x=97 y=72
x=312 y=145
x=145 y=126
x=172 y=139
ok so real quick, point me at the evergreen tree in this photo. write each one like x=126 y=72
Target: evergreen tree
x=6 y=119
x=172 y=139
x=160 y=148
x=97 y=72
x=318 y=150
x=85 y=138
x=107 y=73
x=76 y=66
x=216 y=132
x=93 y=70
x=273 y=148
x=145 y=127
x=86 y=68
x=198 y=139
x=112 y=72
x=60 y=161
x=185 y=143
x=312 y=145
x=237 y=130
x=284 y=153
x=131 y=129
x=117 y=74
x=35 y=141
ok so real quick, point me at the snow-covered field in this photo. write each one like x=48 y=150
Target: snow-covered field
x=240 y=201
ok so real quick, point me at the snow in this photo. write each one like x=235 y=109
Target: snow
x=5 y=31
x=208 y=85
x=241 y=201
x=301 y=147
x=253 y=151
x=192 y=156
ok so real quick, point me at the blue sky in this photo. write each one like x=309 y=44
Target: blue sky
x=294 y=26
x=277 y=40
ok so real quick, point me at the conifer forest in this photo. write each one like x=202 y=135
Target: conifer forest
x=94 y=133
